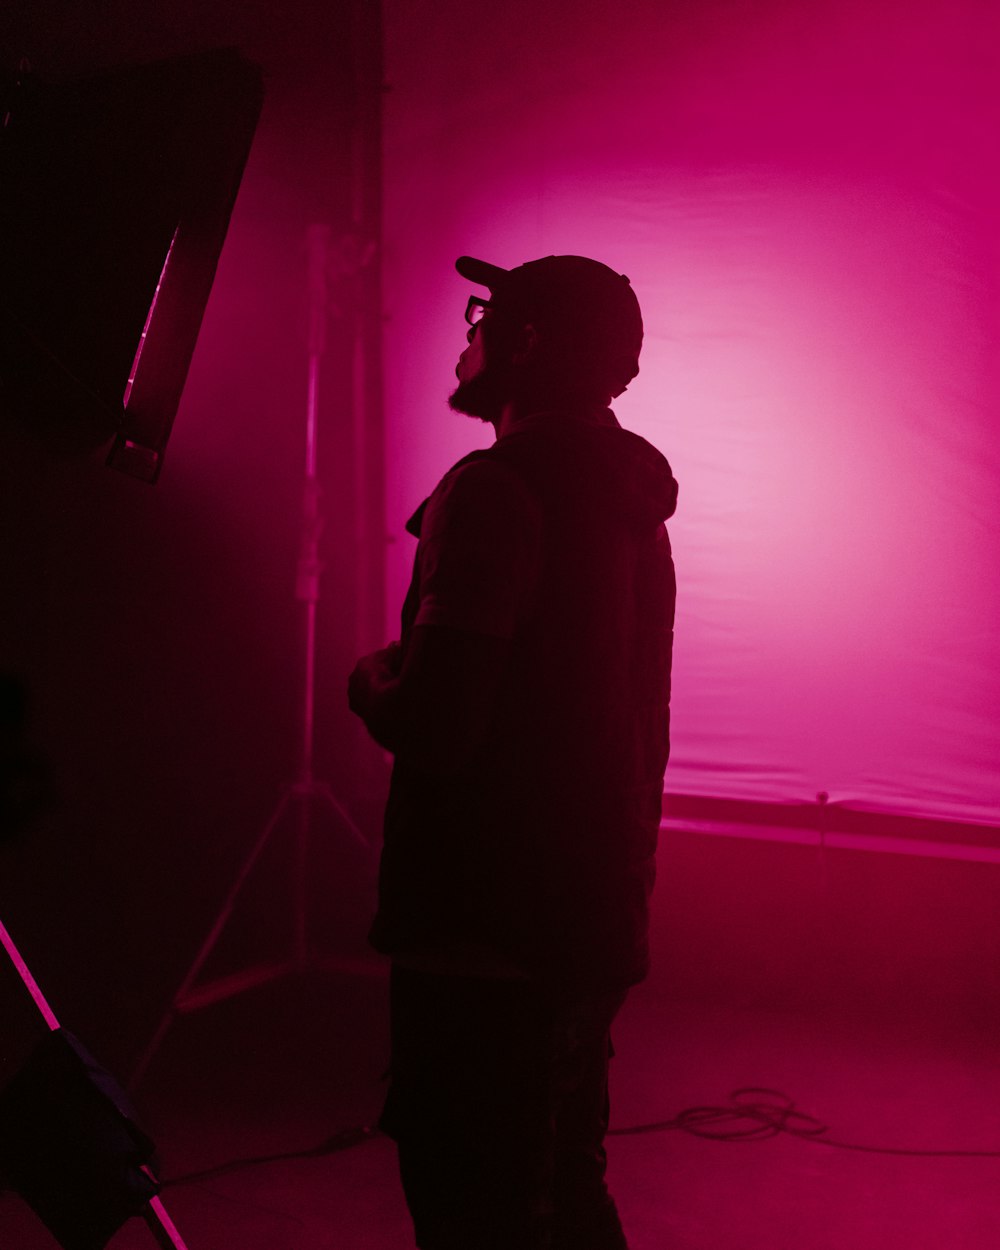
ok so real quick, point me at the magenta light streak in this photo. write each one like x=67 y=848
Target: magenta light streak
x=149 y=320
x=27 y=979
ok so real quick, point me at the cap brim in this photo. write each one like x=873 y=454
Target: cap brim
x=481 y=271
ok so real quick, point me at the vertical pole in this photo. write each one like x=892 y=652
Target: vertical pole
x=318 y=242
x=370 y=531
x=366 y=207
x=307 y=590
x=362 y=506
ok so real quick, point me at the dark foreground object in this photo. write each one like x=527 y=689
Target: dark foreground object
x=70 y=1145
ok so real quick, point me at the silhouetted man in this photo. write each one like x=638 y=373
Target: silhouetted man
x=526 y=705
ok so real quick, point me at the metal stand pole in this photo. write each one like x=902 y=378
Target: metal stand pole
x=307 y=792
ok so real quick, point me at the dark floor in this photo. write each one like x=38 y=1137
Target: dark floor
x=284 y=1067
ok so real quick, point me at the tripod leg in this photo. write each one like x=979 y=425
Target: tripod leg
x=221 y=920
x=326 y=794
x=27 y=979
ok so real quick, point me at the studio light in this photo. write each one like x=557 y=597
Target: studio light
x=116 y=197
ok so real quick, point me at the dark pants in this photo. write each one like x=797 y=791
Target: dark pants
x=498 y=1103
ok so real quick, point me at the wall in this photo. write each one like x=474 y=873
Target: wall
x=804 y=198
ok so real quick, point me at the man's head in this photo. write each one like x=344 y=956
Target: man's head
x=556 y=331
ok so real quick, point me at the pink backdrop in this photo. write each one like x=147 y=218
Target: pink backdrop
x=805 y=200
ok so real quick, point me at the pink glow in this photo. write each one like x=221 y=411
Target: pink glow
x=804 y=200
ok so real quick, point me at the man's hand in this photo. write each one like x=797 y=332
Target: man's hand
x=439 y=706
x=372 y=693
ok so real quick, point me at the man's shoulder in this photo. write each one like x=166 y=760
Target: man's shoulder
x=484 y=468
x=481 y=483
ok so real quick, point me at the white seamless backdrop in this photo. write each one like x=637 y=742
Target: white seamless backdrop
x=806 y=203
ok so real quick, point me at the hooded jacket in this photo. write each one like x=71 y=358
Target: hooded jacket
x=542 y=847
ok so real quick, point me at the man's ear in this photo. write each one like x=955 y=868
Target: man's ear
x=527 y=345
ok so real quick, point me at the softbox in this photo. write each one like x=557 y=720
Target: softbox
x=117 y=194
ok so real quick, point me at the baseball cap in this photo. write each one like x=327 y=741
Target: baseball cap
x=577 y=293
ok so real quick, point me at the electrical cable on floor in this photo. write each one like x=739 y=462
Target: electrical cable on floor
x=756 y=1112
x=753 y=1113
x=344 y=1140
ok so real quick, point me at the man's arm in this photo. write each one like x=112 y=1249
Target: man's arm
x=373 y=694
x=437 y=709
x=477 y=565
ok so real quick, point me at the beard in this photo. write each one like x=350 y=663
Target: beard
x=484 y=396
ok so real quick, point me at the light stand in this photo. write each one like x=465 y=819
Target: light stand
x=302 y=797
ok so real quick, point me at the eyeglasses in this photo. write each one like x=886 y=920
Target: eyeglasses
x=475 y=309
